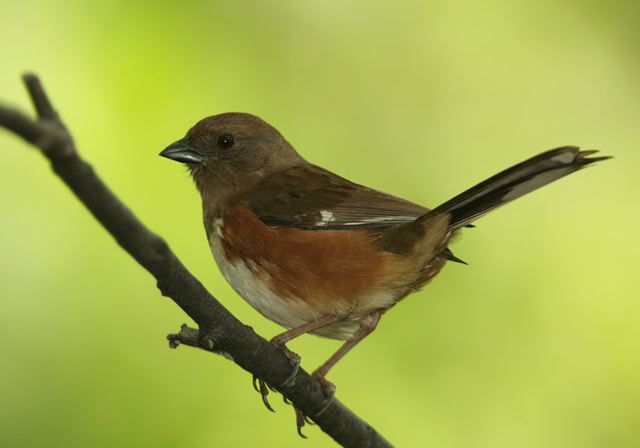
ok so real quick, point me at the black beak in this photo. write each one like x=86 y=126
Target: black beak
x=181 y=151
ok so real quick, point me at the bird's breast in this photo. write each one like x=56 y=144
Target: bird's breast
x=294 y=276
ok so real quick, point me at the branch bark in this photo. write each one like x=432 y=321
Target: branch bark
x=219 y=331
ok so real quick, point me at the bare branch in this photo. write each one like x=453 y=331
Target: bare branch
x=39 y=97
x=219 y=331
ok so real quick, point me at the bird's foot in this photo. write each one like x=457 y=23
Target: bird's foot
x=328 y=387
x=263 y=388
x=301 y=420
x=329 y=390
x=294 y=359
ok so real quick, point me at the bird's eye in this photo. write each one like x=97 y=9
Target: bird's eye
x=225 y=141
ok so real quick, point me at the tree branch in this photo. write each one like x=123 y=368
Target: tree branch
x=219 y=331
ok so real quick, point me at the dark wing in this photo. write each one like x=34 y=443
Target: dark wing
x=309 y=197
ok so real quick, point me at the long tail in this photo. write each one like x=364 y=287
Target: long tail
x=514 y=182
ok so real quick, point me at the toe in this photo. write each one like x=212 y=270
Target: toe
x=262 y=388
x=300 y=422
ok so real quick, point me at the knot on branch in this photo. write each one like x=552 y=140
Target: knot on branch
x=54 y=140
x=164 y=286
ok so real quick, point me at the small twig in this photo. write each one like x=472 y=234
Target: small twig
x=220 y=331
x=186 y=335
x=39 y=97
x=191 y=337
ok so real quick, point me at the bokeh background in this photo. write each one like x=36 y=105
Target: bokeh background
x=535 y=344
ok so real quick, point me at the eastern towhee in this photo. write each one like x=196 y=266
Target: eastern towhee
x=317 y=253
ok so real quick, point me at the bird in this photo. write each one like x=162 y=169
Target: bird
x=317 y=253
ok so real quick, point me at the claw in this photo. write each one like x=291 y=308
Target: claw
x=300 y=421
x=263 y=389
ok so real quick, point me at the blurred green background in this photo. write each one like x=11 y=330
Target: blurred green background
x=535 y=344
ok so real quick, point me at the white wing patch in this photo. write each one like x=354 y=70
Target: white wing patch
x=326 y=217
x=381 y=219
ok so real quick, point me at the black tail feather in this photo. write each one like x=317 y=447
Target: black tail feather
x=515 y=182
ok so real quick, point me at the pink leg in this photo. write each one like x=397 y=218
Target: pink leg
x=293 y=333
x=368 y=324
